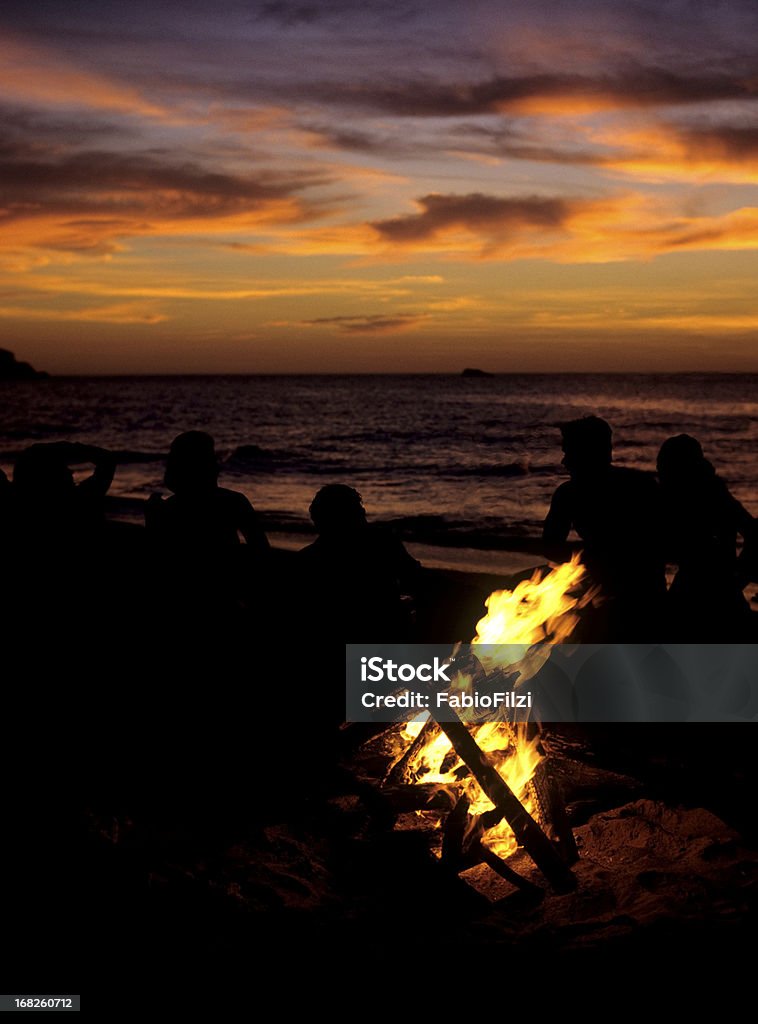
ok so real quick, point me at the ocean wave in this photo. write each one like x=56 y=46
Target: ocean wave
x=36 y=431
x=519 y=468
x=445 y=531
x=122 y=456
x=126 y=455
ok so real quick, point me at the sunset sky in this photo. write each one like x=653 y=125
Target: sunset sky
x=401 y=186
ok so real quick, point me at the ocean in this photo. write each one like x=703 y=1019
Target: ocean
x=462 y=466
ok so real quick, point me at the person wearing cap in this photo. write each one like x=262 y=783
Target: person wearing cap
x=616 y=512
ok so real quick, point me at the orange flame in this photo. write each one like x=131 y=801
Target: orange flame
x=516 y=633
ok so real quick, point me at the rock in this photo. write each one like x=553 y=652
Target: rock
x=472 y=371
x=11 y=369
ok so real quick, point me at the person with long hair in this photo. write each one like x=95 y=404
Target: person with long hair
x=702 y=522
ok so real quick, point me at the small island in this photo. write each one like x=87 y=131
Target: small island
x=12 y=369
x=471 y=371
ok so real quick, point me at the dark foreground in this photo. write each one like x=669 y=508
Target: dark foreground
x=168 y=813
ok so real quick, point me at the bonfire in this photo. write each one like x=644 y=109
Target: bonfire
x=470 y=762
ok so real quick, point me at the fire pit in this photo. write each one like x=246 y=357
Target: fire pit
x=489 y=785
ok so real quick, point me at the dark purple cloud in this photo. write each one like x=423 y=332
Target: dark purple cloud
x=371 y=324
x=410 y=58
x=98 y=196
x=633 y=87
x=734 y=142
x=478 y=213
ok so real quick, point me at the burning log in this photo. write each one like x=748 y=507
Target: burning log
x=549 y=798
x=400 y=771
x=462 y=846
x=499 y=866
x=526 y=830
x=454 y=836
x=426 y=797
x=498 y=762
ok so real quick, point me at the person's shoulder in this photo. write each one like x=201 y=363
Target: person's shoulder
x=564 y=492
x=385 y=541
x=379 y=536
x=312 y=555
x=719 y=493
x=310 y=549
x=232 y=499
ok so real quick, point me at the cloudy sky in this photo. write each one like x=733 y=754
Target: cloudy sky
x=411 y=186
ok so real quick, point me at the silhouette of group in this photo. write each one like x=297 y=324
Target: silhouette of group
x=206 y=559
x=633 y=525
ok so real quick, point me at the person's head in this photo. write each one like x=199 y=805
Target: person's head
x=42 y=475
x=337 y=510
x=191 y=464
x=681 y=460
x=587 y=445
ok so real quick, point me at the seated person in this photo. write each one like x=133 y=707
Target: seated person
x=197 y=530
x=200 y=514
x=355 y=574
x=48 y=502
x=55 y=534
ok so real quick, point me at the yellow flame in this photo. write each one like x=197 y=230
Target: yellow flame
x=515 y=633
x=541 y=610
x=514 y=755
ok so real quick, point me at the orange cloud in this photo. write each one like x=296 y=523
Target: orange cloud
x=35 y=74
x=622 y=227
x=664 y=152
x=87 y=202
x=465 y=228
x=399 y=287
x=633 y=318
x=114 y=314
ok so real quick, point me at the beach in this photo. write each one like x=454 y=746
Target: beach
x=465 y=466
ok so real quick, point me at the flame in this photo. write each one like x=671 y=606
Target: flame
x=541 y=610
x=515 y=634
x=514 y=755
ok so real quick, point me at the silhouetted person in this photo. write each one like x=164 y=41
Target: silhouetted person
x=6 y=500
x=702 y=521
x=198 y=529
x=616 y=512
x=56 y=531
x=200 y=514
x=355 y=574
x=48 y=502
x=6 y=529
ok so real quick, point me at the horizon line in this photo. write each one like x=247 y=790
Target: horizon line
x=383 y=373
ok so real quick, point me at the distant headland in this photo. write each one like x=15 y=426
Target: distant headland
x=12 y=369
